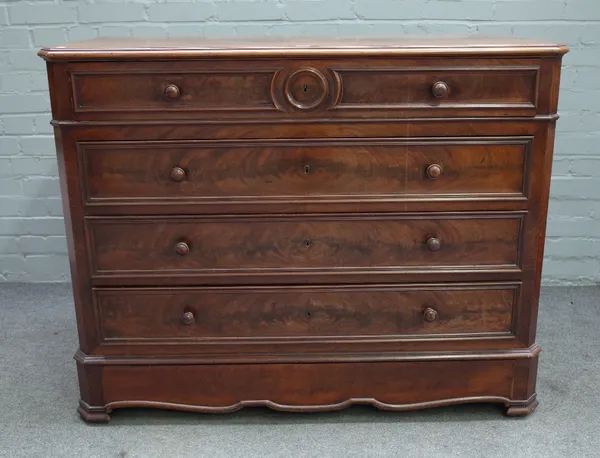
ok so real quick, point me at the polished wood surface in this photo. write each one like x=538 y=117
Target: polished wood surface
x=302 y=225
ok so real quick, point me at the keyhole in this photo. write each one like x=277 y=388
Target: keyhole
x=306 y=169
x=305 y=88
x=307 y=313
x=307 y=243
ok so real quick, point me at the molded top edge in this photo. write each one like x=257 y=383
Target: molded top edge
x=199 y=47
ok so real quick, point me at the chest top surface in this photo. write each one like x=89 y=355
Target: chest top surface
x=199 y=47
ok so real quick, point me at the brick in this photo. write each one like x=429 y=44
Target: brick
x=54 y=206
x=561 y=166
x=38 y=81
x=35 y=244
x=5 y=170
x=41 y=226
x=437 y=28
x=30 y=103
x=587 y=78
x=575 y=227
x=540 y=10
x=9 y=146
x=18 y=82
x=48 y=268
x=11 y=266
x=209 y=30
x=585 y=57
x=17 y=125
x=34 y=166
x=572 y=187
x=82 y=32
x=39 y=13
x=9 y=245
x=380 y=9
x=102 y=13
x=49 y=36
x=587 y=168
x=180 y=12
x=577 y=143
x=41 y=145
x=42 y=124
x=463 y=10
x=114 y=31
x=30 y=207
x=10 y=187
x=41 y=186
x=579 y=100
x=564 y=32
x=251 y=11
x=582 y=10
x=573 y=247
x=150 y=31
x=3 y=15
x=255 y=29
x=9 y=206
x=567 y=209
x=316 y=10
x=590 y=34
x=25 y=59
x=14 y=37
x=571 y=269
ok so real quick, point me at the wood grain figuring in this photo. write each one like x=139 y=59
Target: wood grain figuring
x=146 y=91
x=398 y=87
x=305 y=225
x=287 y=312
x=326 y=243
x=134 y=171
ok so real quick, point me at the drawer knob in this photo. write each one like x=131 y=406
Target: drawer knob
x=434 y=244
x=172 y=92
x=440 y=89
x=187 y=319
x=182 y=248
x=177 y=174
x=434 y=171
x=429 y=314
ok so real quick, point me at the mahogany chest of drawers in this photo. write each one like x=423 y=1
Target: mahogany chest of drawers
x=305 y=226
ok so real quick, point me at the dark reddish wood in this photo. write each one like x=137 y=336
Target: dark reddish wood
x=226 y=172
x=304 y=312
x=303 y=226
x=275 y=245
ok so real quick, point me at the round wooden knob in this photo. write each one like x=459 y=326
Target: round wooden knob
x=440 y=89
x=434 y=171
x=434 y=244
x=187 y=319
x=429 y=314
x=177 y=174
x=172 y=92
x=182 y=248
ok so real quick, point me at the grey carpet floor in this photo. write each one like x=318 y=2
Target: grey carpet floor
x=39 y=394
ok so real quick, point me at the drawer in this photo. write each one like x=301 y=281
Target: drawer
x=303 y=245
x=369 y=87
x=304 y=312
x=282 y=172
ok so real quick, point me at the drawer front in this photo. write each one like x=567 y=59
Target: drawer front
x=370 y=87
x=209 y=172
x=271 y=312
x=303 y=244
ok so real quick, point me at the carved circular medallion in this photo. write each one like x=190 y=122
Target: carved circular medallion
x=306 y=88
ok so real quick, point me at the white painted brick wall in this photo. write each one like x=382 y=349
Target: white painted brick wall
x=32 y=243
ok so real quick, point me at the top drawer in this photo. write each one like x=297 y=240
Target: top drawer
x=304 y=88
